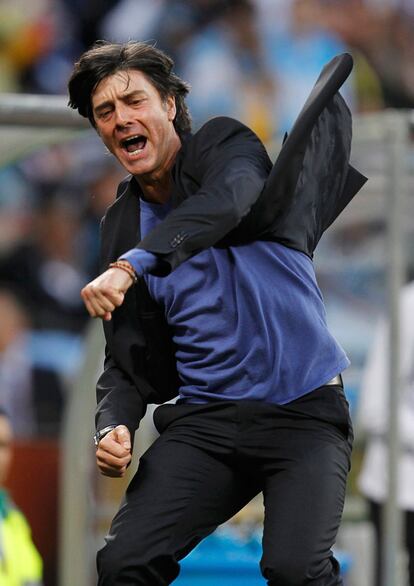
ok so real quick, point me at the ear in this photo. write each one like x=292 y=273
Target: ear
x=171 y=108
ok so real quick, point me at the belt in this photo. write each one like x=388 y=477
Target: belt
x=336 y=380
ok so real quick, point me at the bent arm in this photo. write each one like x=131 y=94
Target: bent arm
x=230 y=165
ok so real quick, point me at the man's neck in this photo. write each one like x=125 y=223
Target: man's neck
x=157 y=188
x=156 y=191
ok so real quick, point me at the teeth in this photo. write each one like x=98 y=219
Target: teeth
x=126 y=140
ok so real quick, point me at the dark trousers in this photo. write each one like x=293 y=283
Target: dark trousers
x=377 y=513
x=209 y=461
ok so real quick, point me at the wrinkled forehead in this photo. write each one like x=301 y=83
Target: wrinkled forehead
x=122 y=82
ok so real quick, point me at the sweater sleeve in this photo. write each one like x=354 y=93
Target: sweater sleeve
x=143 y=262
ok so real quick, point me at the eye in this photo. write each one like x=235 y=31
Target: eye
x=104 y=114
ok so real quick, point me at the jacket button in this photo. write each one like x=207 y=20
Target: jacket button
x=178 y=239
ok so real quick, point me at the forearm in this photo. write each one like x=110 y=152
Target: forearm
x=205 y=218
x=118 y=400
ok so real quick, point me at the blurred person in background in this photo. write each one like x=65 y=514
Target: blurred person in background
x=44 y=269
x=381 y=31
x=269 y=415
x=373 y=420
x=87 y=17
x=26 y=34
x=37 y=44
x=20 y=562
x=217 y=47
x=32 y=394
x=293 y=52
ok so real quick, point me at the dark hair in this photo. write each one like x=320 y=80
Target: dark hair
x=104 y=59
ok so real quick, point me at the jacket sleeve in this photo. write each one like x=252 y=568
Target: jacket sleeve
x=118 y=402
x=304 y=196
x=230 y=165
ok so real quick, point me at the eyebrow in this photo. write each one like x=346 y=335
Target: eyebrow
x=124 y=98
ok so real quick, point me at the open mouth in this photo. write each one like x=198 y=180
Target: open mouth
x=134 y=144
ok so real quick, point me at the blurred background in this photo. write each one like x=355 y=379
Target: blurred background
x=255 y=60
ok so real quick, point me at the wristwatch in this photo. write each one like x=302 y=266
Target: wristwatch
x=101 y=433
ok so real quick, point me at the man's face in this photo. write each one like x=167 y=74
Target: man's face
x=135 y=124
x=5 y=448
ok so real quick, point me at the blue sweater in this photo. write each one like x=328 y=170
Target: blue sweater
x=248 y=321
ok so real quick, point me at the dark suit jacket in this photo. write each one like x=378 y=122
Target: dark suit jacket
x=225 y=193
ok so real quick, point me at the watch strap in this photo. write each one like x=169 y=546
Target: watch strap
x=101 y=433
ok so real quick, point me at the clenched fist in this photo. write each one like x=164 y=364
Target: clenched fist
x=105 y=293
x=114 y=452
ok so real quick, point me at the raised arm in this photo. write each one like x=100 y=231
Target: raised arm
x=229 y=166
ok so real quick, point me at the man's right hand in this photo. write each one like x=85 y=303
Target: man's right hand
x=114 y=452
x=105 y=293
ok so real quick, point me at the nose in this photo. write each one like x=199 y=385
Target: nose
x=122 y=116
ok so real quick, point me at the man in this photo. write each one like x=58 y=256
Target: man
x=31 y=394
x=20 y=563
x=232 y=324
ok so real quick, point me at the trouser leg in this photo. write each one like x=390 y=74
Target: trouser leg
x=179 y=495
x=304 y=493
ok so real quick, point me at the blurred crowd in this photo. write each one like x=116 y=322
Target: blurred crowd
x=233 y=52
x=255 y=60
